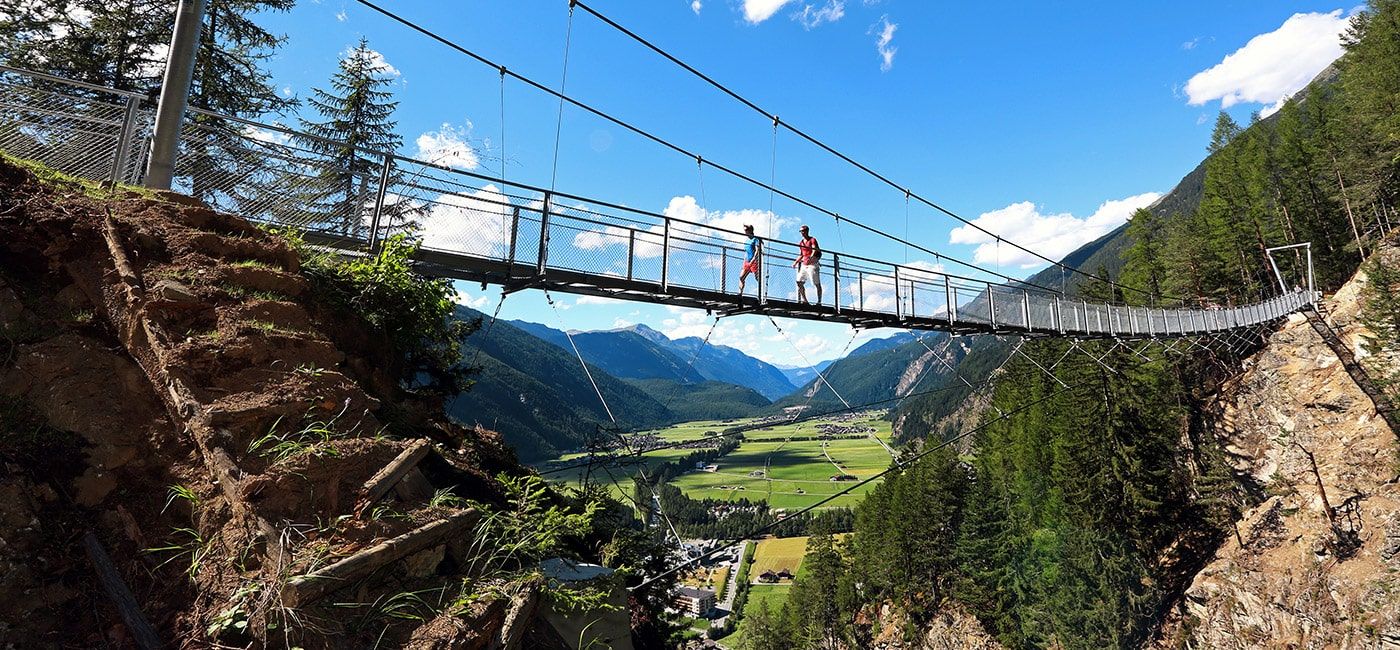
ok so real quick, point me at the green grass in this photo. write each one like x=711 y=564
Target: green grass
x=773 y=595
x=797 y=475
x=776 y=554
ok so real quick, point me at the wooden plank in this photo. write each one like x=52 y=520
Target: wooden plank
x=379 y=484
x=141 y=630
x=518 y=619
x=311 y=587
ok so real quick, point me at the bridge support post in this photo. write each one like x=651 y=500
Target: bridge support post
x=385 y=169
x=514 y=233
x=1059 y=316
x=992 y=306
x=898 y=301
x=1026 y=308
x=133 y=104
x=723 y=269
x=631 y=250
x=665 y=255
x=836 y=280
x=952 y=297
x=543 y=257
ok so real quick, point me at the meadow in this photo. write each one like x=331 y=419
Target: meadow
x=769 y=465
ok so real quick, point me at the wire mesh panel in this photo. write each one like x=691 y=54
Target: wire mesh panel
x=76 y=129
x=270 y=176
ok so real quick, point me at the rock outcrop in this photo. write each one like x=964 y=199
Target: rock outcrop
x=1316 y=564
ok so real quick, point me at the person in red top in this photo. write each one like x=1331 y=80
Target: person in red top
x=808 y=265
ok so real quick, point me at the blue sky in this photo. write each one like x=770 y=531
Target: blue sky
x=1048 y=121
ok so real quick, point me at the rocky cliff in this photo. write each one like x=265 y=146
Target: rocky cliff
x=1316 y=563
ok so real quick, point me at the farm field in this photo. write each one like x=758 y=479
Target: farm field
x=775 y=554
x=767 y=466
x=789 y=475
x=759 y=595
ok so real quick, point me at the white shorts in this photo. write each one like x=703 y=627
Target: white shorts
x=809 y=273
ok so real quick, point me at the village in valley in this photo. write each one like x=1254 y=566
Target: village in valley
x=729 y=475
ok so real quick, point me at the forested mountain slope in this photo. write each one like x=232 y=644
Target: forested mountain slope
x=640 y=352
x=878 y=372
x=1235 y=495
x=537 y=395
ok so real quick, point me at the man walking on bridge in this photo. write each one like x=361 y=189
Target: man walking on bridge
x=751 y=253
x=808 y=265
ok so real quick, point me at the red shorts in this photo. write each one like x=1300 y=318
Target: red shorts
x=751 y=266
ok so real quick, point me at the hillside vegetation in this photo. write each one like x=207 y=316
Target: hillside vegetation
x=1086 y=504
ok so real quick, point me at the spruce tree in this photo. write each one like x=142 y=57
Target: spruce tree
x=358 y=115
x=1145 y=268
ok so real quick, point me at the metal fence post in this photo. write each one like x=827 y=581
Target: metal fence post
x=631 y=250
x=385 y=168
x=543 y=256
x=128 y=131
x=898 y=302
x=514 y=234
x=836 y=280
x=1026 y=308
x=992 y=306
x=723 y=268
x=174 y=93
x=952 y=297
x=665 y=254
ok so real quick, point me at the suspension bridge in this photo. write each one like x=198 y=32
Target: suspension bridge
x=481 y=228
x=487 y=228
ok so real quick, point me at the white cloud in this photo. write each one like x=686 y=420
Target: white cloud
x=464 y=298
x=757 y=11
x=1191 y=44
x=340 y=16
x=649 y=242
x=695 y=6
x=476 y=224
x=449 y=146
x=599 y=300
x=266 y=135
x=1274 y=65
x=885 y=30
x=1051 y=235
x=376 y=62
x=813 y=16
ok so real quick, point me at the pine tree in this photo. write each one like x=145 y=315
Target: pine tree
x=1146 y=266
x=115 y=43
x=358 y=115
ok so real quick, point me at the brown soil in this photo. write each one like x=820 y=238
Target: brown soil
x=150 y=343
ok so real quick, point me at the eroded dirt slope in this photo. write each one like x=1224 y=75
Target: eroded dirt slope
x=169 y=386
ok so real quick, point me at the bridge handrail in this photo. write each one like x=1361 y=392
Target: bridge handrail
x=1013 y=302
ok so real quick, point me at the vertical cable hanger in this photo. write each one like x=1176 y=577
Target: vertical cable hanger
x=505 y=230
x=563 y=79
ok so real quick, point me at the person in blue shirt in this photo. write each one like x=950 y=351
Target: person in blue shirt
x=751 y=253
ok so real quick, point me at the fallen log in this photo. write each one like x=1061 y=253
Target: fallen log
x=385 y=479
x=309 y=588
x=141 y=630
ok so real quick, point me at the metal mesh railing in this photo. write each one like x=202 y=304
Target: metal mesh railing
x=275 y=175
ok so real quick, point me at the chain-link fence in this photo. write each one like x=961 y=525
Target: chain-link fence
x=354 y=198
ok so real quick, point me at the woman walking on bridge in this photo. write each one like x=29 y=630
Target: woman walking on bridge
x=751 y=253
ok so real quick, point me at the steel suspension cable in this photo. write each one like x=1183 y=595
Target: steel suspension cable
x=681 y=150
x=563 y=79
x=833 y=151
